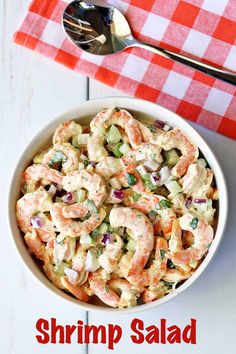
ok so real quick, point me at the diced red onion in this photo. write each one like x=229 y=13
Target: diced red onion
x=159 y=124
x=118 y=194
x=92 y=163
x=86 y=130
x=188 y=202
x=67 y=198
x=151 y=165
x=199 y=200
x=52 y=190
x=106 y=239
x=155 y=178
x=164 y=173
x=84 y=152
x=36 y=222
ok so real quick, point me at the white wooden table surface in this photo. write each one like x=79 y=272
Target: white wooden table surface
x=33 y=91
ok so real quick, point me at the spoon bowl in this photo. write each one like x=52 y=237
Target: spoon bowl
x=101 y=29
x=97 y=29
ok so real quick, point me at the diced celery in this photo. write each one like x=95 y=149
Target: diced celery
x=91 y=207
x=130 y=245
x=58 y=200
x=174 y=188
x=125 y=148
x=59 y=268
x=148 y=183
x=82 y=139
x=75 y=141
x=113 y=135
x=39 y=157
x=103 y=228
x=172 y=157
x=116 y=150
x=115 y=183
x=81 y=195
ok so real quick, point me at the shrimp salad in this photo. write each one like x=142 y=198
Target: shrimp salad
x=120 y=211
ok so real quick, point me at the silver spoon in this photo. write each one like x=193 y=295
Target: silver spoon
x=101 y=29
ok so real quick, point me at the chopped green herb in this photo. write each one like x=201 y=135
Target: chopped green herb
x=58 y=157
x=62 y=241
x=107 y=288
x=168 y=283
x=152 y=128
x=99 y=250
x=170 y=264
x=131 y=179
x=163 y=204
x=148 y=183
x=194 y=223
x=86 y=163
x=162 y=252
x=135 y=197
x=117 y=109
x=209 y=245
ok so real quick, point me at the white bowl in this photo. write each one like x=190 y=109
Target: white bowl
x=143 y=110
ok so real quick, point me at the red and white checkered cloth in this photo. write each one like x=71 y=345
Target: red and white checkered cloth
x=205 y=29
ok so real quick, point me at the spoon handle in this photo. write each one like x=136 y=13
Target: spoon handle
x=224 y=75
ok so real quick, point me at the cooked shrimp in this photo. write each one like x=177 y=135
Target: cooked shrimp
x=35 y=173
x=75 y=228
x=152 y=275
x=101 y=289
x=35 y=244
x=66 y=154
x=175 y=138
x=77 y=291
x=92 y=182
x=152 y=294
x=145 y=152
x=128 y=294
x=108 y=167
x=194 y=179
x=203 y=235
x=148 y=202
x=29 y=205
x=77 y=210
x=96 y=150
x=109 y=259
x=66 y=131
x=142 y=231
x=123 y=119
x=176 y=275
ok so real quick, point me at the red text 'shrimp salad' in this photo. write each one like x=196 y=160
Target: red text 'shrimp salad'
x=119 y=210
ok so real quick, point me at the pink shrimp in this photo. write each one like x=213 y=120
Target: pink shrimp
x=29 y=206
x=35 y=173
x=77 y=210
x=66 y=154
x=123 y=119
x=35 y=244
x=203 y=235
x=75 y=228
x=101 y=289
x=142 y=231
x=66 y=131
x=147 y=202
x=152 y=275
x=77 y=291
x=92 y=182
x=175 y=138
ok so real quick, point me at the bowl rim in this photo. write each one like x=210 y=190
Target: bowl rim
x=182 y=123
